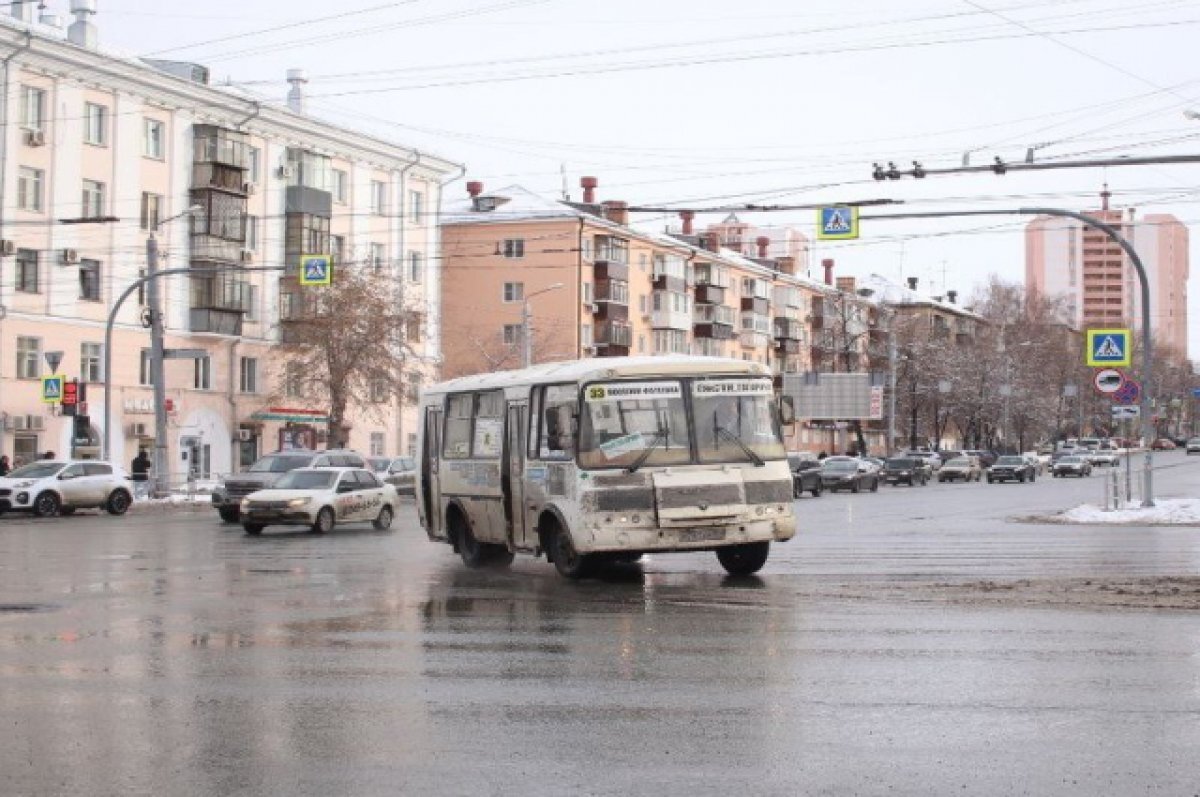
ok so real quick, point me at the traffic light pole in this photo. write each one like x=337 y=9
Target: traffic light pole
x=162 y=484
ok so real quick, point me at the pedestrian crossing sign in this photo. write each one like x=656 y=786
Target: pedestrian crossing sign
x=316 y=270
x=1109 y=348
x=52 y=389
x=837 y=222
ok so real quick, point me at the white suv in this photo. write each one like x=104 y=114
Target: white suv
x=59 y=487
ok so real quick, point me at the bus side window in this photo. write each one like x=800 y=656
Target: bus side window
x=457 y=440
x=559 y=422
x=535 y=421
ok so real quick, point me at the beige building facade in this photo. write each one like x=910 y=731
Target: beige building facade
x=119 y=147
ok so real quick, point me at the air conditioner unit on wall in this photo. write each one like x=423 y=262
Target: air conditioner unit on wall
x=286 y=172
x=249 y=188
x=35 y=138
x=35 y=423
x=247 y=255
x=19 y=422
x=138 y=430
x=7 y=247
x=245 y=435
x=70 y=256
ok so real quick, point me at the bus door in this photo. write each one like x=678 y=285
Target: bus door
x=430 y=497
x=512 y=473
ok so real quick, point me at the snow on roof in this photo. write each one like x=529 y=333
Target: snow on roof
x=602 y=368
x=885 y=291
x=514 y=203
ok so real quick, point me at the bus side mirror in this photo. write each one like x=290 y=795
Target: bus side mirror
x=787 y=410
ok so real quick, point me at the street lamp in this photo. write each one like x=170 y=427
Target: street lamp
x=1006 y=388
x=526 y=319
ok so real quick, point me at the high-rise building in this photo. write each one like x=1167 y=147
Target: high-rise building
x=1091 y=273
x=125 y=147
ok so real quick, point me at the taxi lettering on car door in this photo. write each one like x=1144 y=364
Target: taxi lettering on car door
x=364 y=499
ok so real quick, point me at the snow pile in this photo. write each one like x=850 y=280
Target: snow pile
x=1165 y=512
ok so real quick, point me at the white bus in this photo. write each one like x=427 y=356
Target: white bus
x=606 y=458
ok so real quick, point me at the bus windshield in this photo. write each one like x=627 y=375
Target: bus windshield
x=626 y=421
x=735 y=420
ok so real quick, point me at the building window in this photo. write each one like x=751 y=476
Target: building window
x=153 y=139
x=151 y=211
x=587 y=292
x=379 y=390
x=416 y=266
x=378 y=197
x=305 y=234
x=337 y=248
x=412 y=444
x=33 y=108
x=412 y=330
x=252 y=303
x=514 y=248
x=254 y=162
x=89 y=280
x=416 y=206
x=377 y=256
x=293 y=380
x=27 y=271
x=29 y=358
x=202 y=376
x=514 y=291
x=93 y=199
x=512 y=334
x=341 y=186
x=249 y=375
x=95 y=124
x=29 y=188
x=414 y=388
x=90 y=357
x=377 y=444
x=144 y=374
x=252 y=233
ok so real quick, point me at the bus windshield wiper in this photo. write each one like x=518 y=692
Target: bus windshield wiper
x=660 y=436
x=755 y=458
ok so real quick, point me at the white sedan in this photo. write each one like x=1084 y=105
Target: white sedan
x=320 y=498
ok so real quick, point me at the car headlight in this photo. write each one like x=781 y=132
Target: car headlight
x=245 y=504
x=295 y=502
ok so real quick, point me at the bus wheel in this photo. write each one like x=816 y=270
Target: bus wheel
x=742 y=560
x=473 y=552
x=567 y=561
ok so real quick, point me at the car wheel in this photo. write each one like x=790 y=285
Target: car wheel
x=384 y=520
x=229 y=514
x=816 y=491
x=875 y=486
x=325 y=521
x=744 y=560
x=46 y=505
x=253 y=529
x=567 y=561
x=855 y=488
x=118 y=503
x=991 y=480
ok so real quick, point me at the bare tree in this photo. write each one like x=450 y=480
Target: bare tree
x=349 y=345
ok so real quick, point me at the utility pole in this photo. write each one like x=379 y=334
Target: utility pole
x=527 y=324
x=154 y=299
x=891 y=427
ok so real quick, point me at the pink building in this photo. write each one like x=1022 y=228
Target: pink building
x=1089 y=270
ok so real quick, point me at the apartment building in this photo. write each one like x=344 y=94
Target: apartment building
x=237 y=189
x=586 y=283
x=1064 y=258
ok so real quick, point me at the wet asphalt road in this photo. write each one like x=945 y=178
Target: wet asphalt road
x=165 y=653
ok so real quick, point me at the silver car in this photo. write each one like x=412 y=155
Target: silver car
x=402 y=474
x=58 y=487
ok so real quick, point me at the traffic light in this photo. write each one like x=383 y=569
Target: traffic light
x=82 y=429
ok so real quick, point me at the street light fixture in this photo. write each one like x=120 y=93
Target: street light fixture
x=526 y=320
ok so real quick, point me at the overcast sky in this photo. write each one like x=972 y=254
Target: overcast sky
x=706 y=102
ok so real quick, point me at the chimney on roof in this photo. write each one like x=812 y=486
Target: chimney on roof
x=952 y=297
x=687 y=216
x=82 y=30
x=616 y=211
x=763 y=244
x=786 y=264
x=912 y=283
x=710 y=241
x=1105 y=195
x=50 y=19
x=474 y=188
x=589 y=189
x=846 y=284
x=827 y=264
x=295 y=98
x=23 y=10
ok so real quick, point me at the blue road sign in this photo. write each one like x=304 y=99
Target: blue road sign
x=838 y=222
x=1109 y=347
x=316 y=270
x=52 y=389
x=1130 y=392
x=1196 y=392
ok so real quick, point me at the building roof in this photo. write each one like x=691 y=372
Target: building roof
x=601 y=368
x=884 y=291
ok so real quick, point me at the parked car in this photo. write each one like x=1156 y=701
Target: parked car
x=842 y=473
x=906 y=470
x=267 y=470
x=320 y=498
x=1162 y=444
x=1012 y=468
x=874 y=462
x=932 y=458
x=379 y=466
x=1193 y=445
x=1071 y=465
x=58 y=487
x=966 y=469
x=402 y=474
x=986 y=458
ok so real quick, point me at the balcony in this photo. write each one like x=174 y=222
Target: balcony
x=754 y=340
x=218 y=303
x=612 y=292
x=670 y=319
x=613 y=339
x=710 y=294
x=611 y=270
x=789 y=328
x=665 y=282
x=714 y=322
x=787 y=346
x=756 y=304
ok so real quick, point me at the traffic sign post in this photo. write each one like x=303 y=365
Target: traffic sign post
x=1129 y=393
x=1122 y=412
x=52 y=389
x=1109 y=347
x=53 y=359
x=837 y=223
x=1108 y=381
x=316 y=270
x=70 y=397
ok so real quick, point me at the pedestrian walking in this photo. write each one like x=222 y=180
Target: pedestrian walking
x=139 y=471
x=4 y=465
x=48 y=455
